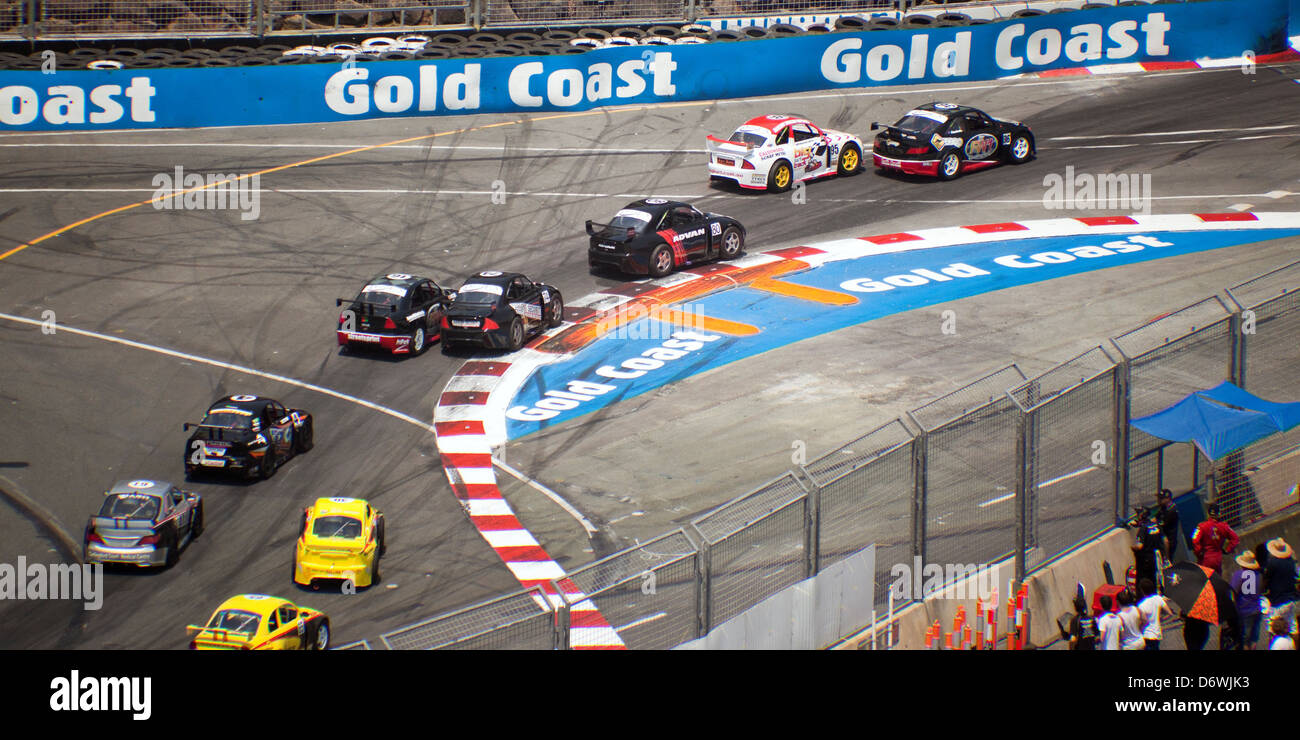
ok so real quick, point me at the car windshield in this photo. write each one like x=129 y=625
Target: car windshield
x=921 y=121
x=748 y=138
x=130 y=506
x=479 y=293
x=229 y=418
x=630 y=219
x=341 y=527
x=235 y=620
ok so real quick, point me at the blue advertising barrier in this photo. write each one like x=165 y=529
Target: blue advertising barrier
x=217 y=96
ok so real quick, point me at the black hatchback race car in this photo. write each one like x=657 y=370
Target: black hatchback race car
x=501 y=310
x=946 y=140
x=247 y=434
x=655 y=236
x=397 y=312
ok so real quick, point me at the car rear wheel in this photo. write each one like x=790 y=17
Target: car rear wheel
x=417 y=342
x=732 y=243
x=949 y=166
x=196 y=528
x=516 y=335
x=267 y=467
x=1020 y=149
x=383 y=544
x=850 y=160
x=780 y=177
x=661 y=261
x=173 y=552
x=557 y=311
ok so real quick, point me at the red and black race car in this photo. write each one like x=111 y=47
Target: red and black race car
x=946 y=140
x=654 y=236
x=501 y=310
x=397 y=312
x=247 y=434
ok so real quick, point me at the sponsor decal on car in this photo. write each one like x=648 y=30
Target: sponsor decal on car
x=981 y=146
x=528 y=310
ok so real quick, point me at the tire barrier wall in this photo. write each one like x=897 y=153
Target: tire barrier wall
x=620 y=75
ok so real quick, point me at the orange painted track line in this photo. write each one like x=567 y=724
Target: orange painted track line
x=804 y=292
x=684 y=320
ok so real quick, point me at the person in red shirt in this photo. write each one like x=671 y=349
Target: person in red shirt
x=1213 y=539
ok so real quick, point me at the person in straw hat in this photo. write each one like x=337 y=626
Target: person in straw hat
x=1247 y=588
x=1279 y=583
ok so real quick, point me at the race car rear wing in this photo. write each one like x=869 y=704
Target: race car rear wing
x=606 y=231
x=368 y=307
x=217 y=635
x=222 y=434
x=732 y=148
x=108 y=522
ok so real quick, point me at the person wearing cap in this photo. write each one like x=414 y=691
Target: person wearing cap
x=1248 y=588
x=1279 y=583
x=1213 y=539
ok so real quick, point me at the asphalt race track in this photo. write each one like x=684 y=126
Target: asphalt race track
x=81 y=412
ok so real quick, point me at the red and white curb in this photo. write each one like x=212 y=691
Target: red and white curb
x=469 y=419
x=1288 y=55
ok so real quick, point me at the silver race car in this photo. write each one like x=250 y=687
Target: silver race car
x=144 y=523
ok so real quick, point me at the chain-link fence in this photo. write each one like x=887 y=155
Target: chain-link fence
x=1005 y=467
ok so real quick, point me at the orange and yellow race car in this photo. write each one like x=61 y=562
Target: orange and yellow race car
x=258 y=622
x=340 y=540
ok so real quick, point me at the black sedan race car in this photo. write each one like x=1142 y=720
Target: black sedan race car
x=655 y=236
x=501 y=310
x=946 y=140
x=397 y=312
x=247 y=434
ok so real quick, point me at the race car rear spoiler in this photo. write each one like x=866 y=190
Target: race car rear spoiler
x=218 y=434
x=596 y=229
x=369 y=306
x=217 y=634
x=121 y=522
x=717 y=145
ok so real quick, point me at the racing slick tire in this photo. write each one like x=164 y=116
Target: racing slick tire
x=949 y=165
x=383 y=544
x=374 y=571
x=304 y=440
x=557 y=312
x=320 y=640
x=732 y=243
x=850 y=160
x=196 y=525
x=267 y=468
x=780 y=177
x=516 y=335
x=173 y=552
x=661 y=261
x=1021 y=149
x=419 y=342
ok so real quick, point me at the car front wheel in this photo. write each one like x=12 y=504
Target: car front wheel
x=732 y=243
x=1021 y=149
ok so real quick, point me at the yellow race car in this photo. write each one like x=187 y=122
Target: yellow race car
x=340 y=540
x=259 y=622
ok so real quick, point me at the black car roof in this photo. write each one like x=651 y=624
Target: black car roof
x=492 y=277
x=655 y=206
x=948 y=109
x=399 y=279
x=243 y=402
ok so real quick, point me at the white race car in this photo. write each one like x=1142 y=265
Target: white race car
x=774 y=151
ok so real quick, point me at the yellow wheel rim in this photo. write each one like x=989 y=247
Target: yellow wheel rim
x=850 y=160
x=782 y=176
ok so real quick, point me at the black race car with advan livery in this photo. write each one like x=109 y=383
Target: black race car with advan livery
x=247 y=434
x=501 y=310
x=397 y=312
x=946 y=140
x=655 y=236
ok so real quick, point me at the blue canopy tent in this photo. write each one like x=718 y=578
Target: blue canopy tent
x=1220 y=420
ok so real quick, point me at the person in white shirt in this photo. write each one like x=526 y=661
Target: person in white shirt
x=1109 y=625
x=1152 y=607
x=1130 y=637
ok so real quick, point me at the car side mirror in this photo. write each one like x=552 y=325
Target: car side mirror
x=338 y=301
x=187 y=426
x=590 y=230
x=874 y=125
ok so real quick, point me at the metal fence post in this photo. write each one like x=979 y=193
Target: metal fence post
x=562 y=622
x=1237 y=368
x=259 y=22
x=1123 y=410
x=812 y=530
x=1023 y=484
x=31 y=19
x=920 y=449
x=692 y=11
x=705 y=595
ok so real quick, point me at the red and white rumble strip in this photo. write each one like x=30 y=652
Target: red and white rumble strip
x=1289 y=55
x=470 y=416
